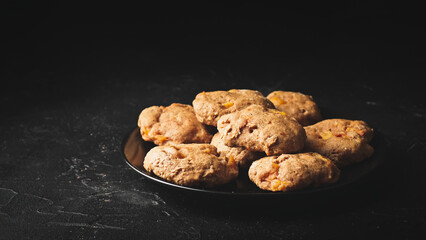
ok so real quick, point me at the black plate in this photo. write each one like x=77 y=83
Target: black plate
x=134 y=149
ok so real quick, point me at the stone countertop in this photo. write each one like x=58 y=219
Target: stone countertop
x=72 y=93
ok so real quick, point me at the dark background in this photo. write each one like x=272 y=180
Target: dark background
x=75 y=77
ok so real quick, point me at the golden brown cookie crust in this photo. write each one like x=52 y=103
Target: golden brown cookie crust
x=298 y=105
x=210 y=106
x=289 y=172
x=191 y=165
x=343 y=141
x=262 y=129
x=174 y=124
x=240 y=155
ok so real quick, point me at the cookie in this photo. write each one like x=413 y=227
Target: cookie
x=174 y=124
x=289 y=172
x=343 y=141
x=298 y=105
x=240 y=155
x=191 y=165
x=210 y=106
x=261 y=129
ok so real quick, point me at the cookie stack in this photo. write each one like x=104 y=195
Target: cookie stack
x=279 y=139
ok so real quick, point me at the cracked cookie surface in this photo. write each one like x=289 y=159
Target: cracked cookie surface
x=298 y=105
x=344 y=141
x=261 y=129
x=210 y=106
x=241 y=155
x=191 y=165
x=174 y=124
x=289 y=172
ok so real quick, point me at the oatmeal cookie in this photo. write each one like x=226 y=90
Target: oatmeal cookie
x=343 y=141
x=210 y=106
x=191 y=165
x=298 y=105
x=240 y=155
x=174 y=124
x=262 y=129
x=288 y=172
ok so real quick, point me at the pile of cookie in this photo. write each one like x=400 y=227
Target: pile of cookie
x=281 y=140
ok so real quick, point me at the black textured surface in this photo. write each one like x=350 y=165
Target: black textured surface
x=75 y=78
